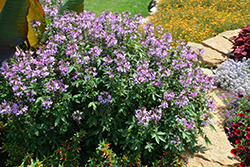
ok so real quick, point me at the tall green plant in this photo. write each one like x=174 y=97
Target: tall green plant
x=15 y=19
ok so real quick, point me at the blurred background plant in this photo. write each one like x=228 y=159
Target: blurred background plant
x=197 y=20
x=133 y=6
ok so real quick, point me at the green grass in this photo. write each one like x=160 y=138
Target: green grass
x=133 y=6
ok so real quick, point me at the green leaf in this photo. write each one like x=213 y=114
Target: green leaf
x=92 y=104
x=149 y=147
x=36 y=132
x=157 y=139
x=33 y=92
x=89 y=120
x=39 y=99
x=63 y=119
x=71 y=5
x=13 y=26
x=161 y=133
x=15 y=18
x=162 y=139
x=94 y=121
x=115 y=139
x=57 y=121
x=71 y=68
x=207 y=140
x=212 y=127
x=166 y=147
x=184 y=135
x=153 y=96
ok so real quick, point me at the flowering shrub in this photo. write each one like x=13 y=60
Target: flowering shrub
x=234 y=76
x=238 y=130
x=241 y=44
x=101 y=75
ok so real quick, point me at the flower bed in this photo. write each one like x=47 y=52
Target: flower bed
x=237 y=125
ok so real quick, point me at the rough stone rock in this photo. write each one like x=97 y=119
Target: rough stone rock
x=218 y=154
x=229 y=34
x=207 y=72
x=210 y=56
x=219 y=44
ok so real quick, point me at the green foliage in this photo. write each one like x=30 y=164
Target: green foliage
x=66 y=155
x=104 y=156
x=12 y=32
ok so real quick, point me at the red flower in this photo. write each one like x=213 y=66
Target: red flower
x=248 y=161
x=240 y=95
x=242 y=164
x=238 y=141
x=231 y=135
x=241 y=115
x=242 y=148
x=248 y=136
x=240 y=124
x=234 y=151
x=247 y=129
x=237 y=132
x=235 y=126
x=247 y=110
x=248 y=97
x=248 y=145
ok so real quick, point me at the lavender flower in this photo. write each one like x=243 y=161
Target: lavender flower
x=77 y=115
x=104 y=98
x=144 y=116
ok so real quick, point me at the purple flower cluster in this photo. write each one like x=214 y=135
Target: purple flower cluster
x=123 y=65
x=189 y=124
x=144 y=73
x=104 y=98
x=47 y=103
x=176 y=141
x=35 y=23
x=77 y=115
x=145 y=116
x=56 y=86
x=233 y=104
x=12 y=108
